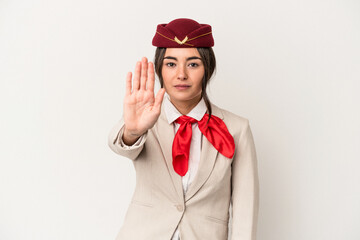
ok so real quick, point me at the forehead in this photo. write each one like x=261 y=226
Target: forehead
x=182 y=52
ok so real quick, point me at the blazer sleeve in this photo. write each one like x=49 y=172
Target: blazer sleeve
x=117 y=145
x=245 y=188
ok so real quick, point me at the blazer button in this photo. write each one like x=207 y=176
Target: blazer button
x=180 y=208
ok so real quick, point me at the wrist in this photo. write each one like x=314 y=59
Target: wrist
x=129 y=138
x=131 y=134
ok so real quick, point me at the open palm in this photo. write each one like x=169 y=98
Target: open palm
x=141 y=108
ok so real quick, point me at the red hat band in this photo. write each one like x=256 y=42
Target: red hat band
x=183 y=33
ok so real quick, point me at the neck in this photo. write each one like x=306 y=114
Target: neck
x=184 y=107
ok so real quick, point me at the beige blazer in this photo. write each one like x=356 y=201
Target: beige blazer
x=159 y=205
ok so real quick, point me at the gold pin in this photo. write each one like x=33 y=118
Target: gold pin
x=181 y=42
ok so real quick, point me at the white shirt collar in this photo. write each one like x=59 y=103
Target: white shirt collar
x=172 y=113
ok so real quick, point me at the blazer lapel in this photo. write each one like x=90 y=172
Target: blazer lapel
x=165 y=134
x=207 y=161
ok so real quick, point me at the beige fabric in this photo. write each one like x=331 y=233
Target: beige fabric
x=158 y=204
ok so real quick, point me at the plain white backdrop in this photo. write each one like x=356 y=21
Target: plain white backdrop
x=291 y=67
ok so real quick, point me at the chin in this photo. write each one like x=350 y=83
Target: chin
x=183 y=96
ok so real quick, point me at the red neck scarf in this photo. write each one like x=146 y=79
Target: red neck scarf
x=215 y=131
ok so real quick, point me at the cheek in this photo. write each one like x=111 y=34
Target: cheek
x=166 y=74
x=199 y=78
x=165 y=77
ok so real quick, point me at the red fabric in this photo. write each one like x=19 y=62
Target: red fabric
x=174 y=34
x=215 y=131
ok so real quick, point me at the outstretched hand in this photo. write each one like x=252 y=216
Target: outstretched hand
x=141 y=108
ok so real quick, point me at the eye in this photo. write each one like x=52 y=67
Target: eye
x=170 y=64
x=193 y=64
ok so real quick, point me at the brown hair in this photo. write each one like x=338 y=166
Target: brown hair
x=207 y=57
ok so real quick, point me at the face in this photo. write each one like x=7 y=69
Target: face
x=182 y=73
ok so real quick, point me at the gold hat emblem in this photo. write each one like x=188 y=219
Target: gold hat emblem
x=181 y=42
x=184 y=40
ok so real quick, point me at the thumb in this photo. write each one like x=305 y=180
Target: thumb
x=159 y=97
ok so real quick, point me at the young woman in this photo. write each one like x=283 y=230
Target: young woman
x=194 y=161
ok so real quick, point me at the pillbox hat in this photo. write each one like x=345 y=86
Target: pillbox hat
x=183 y=33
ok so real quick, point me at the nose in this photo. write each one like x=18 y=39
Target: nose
x=182 y=74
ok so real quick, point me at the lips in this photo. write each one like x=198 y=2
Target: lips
x=182 y=86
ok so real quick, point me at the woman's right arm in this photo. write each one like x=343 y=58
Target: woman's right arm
x=141 y=110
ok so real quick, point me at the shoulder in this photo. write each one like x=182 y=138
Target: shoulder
x=235 y=123
x=229 y=117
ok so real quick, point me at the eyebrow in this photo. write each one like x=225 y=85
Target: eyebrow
x=189 y=58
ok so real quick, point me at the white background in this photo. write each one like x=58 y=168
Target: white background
x=291 y=67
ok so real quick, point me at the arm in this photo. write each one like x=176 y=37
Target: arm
x=245 y=188
x=141 y=111
x=117 y=144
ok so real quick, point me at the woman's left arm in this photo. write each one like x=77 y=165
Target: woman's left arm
x=245 y=188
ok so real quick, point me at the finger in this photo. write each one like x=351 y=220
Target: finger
x=144 y=68
x=136 y=83
x=159 y=98
x=151 y=77
x=128 y=84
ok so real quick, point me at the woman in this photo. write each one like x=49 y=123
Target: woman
x=192 y=158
